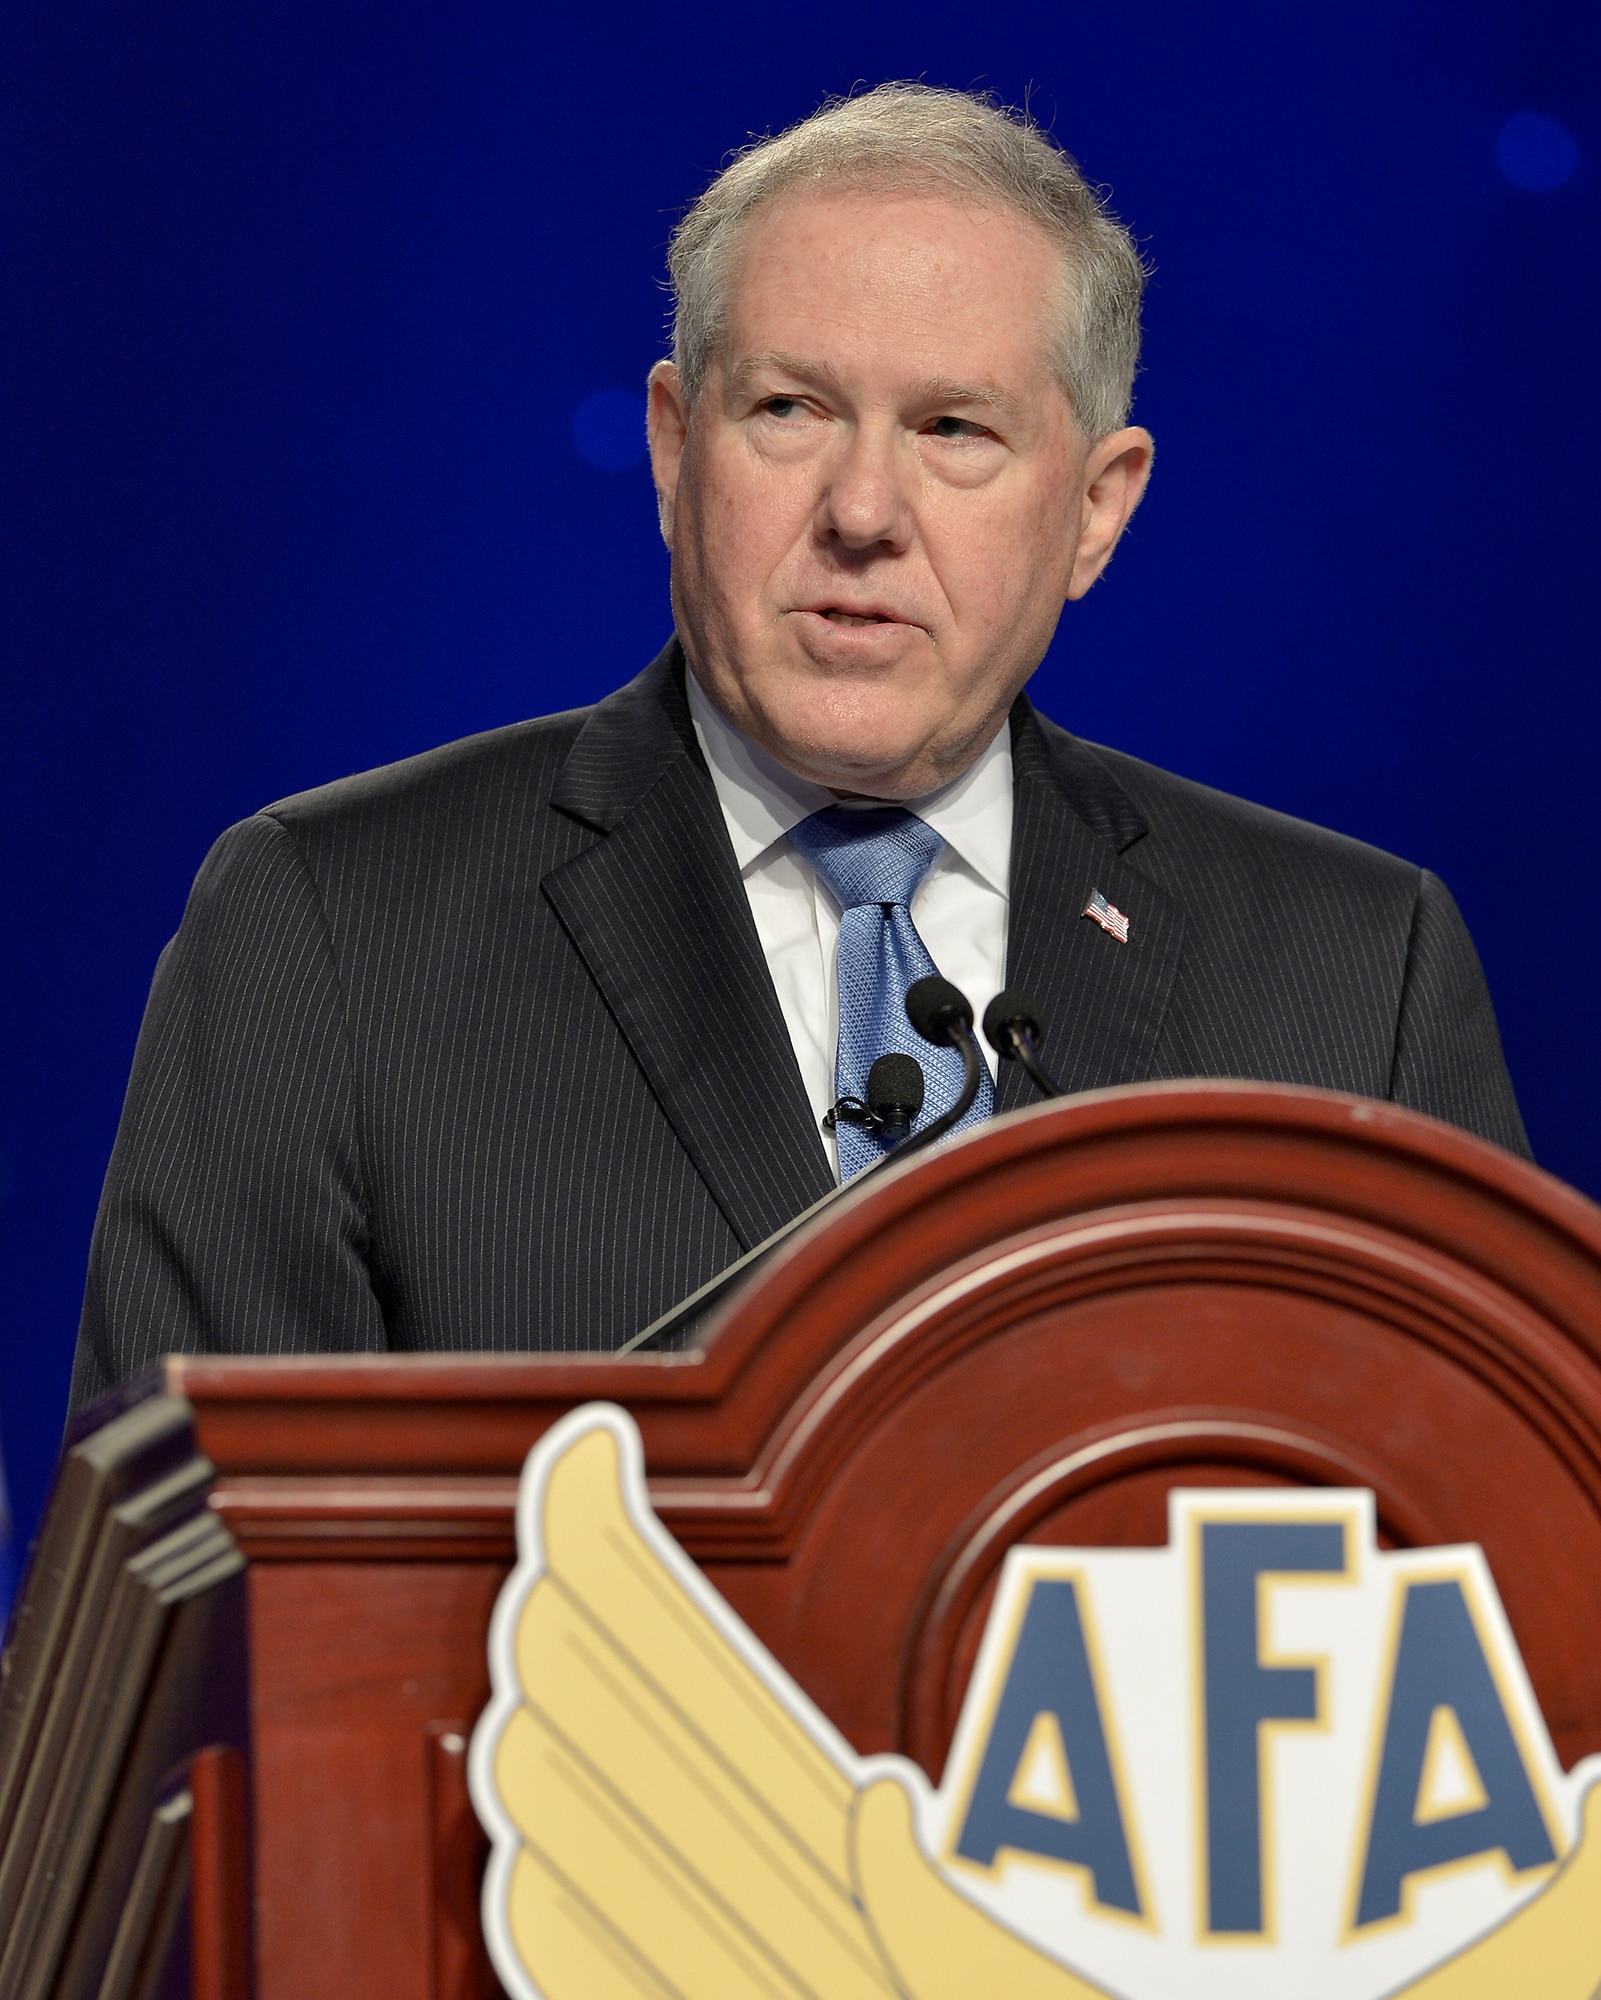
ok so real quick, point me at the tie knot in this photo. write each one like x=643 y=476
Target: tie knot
x=868 y=856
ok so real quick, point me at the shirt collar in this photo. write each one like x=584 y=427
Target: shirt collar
x=761 y=800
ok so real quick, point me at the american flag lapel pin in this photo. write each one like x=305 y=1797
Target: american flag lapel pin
x=1110 y=918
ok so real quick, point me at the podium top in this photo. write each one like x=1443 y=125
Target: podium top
x=1130 y=1177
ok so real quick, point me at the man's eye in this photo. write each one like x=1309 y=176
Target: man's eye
x=784 y=406
x=955 y=427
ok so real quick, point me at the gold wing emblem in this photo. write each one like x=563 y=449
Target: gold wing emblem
x=1550 y=1948
x=666 y=1828
x=940 y=1946
x=681 y=1834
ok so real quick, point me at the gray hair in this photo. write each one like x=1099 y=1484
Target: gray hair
x=909 y=136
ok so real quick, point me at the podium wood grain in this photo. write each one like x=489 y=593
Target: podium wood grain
x=1031 y=1336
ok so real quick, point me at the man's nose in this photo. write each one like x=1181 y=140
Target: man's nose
x=866 y=501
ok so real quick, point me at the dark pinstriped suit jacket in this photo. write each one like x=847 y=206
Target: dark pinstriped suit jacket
x=481 y=1050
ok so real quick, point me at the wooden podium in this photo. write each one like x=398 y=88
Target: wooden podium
x=1029 y=1336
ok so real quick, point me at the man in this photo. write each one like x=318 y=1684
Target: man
x=513 y=1044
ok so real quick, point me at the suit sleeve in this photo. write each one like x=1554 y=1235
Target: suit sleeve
x=1448 y=1058
x=234 y=1217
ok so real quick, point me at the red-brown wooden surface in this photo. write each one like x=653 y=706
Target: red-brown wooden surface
x=219 y=1889
x=1031 y=1336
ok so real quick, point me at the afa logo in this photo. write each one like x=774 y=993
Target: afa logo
x=1269 y=1759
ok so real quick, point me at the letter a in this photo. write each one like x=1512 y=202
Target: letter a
x=1440 y=1666
x=1063 y=1763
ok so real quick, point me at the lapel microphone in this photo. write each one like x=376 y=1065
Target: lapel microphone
x=895 y=1090
x=1012 y=1029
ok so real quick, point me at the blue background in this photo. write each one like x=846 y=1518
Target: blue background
x=302 y=303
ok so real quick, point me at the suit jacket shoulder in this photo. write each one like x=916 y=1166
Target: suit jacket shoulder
x=1188 y=829
x=1307 y=956
x=478 y=791
x=440 y=1059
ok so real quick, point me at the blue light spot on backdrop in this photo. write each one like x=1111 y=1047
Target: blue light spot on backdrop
x=1535 y=152
x=609 y=429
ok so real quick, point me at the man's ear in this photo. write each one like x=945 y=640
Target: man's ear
x=1115 y=473
x=667 y=426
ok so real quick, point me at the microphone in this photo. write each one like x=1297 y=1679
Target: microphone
x=895 y=1088
x=1012 y=1029
x=894 y=1097
x=942 y=1014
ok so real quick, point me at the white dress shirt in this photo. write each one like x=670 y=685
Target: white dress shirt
x=960 y=907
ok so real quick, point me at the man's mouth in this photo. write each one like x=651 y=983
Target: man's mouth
x=856 y=617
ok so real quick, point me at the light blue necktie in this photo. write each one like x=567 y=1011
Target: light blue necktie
x=873 y=861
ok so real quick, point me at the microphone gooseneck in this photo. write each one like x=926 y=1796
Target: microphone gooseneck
x=941 y=1014
x=680 y=1318
x=1012 y=1029
x=895 y=1086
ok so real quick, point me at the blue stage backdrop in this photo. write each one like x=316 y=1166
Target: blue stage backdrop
x=323 y=333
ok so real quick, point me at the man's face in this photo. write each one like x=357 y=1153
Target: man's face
x=879 y=501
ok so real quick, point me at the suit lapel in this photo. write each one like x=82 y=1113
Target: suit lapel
x=1103 y=1002
x=659 y=915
